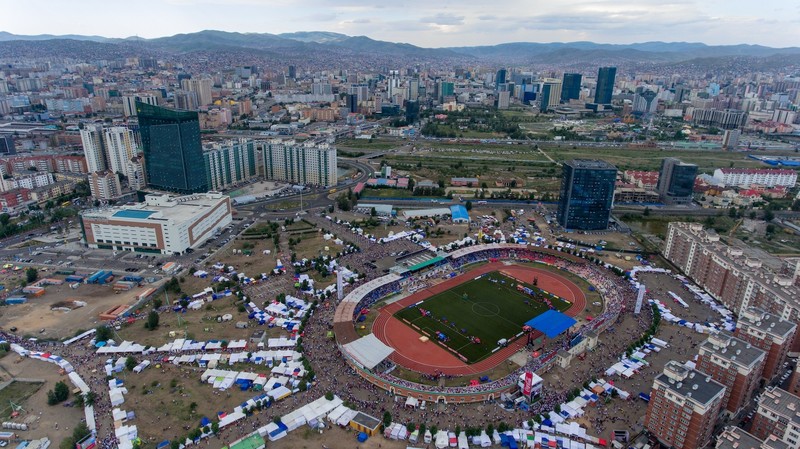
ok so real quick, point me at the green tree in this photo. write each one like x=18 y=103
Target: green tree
x=103 y=333
x=130 y=363
x=89 y=398
x=387 y=419
x=215 y=427
x=468 y=205
x=152 y=320
x=31 y=274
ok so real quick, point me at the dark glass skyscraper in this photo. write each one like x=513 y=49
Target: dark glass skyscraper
x=587 y=194
x=571 y=87
x=605 y=85
x=173 y=155
x=501 y=77
x=676 y=181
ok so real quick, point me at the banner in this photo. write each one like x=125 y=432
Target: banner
x=528 y=386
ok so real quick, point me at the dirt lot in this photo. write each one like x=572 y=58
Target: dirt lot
x=162 y=399
x=42 y=418
x=196 y=325
x=36 y=314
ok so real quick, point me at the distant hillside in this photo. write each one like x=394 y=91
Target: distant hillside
x=305 y=43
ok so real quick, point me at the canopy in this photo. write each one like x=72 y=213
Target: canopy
x=551 y=323
x=368 y=351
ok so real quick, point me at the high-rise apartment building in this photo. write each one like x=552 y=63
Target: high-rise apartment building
x=737 y=280
x=684 y=407
x=778 y=413
x=587 y=194
x=734 y=363
x=606 y=77
x=173 y=154
x=201 y=87
x=120 y=148
x=129 y=103
x=306 y=163
x=503 y=99
x=571 y=87
x=645 y=102
x=105 y=185
x=770 y=333
x=94 y=147
x=229 y=163
x=361 y=91
x=550 y=94
x=186 y=100
x=676 y=181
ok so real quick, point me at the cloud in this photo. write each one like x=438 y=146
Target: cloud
x=443 y=19
x=487 y=17
x=321 y=17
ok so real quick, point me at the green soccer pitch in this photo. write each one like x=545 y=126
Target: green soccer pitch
x=489 y=308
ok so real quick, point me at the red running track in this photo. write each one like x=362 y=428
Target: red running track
x=429 y=357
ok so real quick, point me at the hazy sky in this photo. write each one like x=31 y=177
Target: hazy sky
x=425 y=23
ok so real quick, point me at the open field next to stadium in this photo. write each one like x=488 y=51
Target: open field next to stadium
x=472 y=317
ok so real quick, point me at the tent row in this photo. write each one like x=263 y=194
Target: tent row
x=214 y=360
x=44 y=357
x=311 y=414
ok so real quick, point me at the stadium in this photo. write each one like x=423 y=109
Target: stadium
x=493 y=301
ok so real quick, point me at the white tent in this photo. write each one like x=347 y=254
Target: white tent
x=368 y=351
x=412 y=402
x=441 y=439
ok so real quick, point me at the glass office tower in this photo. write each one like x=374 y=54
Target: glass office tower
x=587 y=194
x=173 y=154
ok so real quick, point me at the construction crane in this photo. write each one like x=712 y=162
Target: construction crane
x=735 y=227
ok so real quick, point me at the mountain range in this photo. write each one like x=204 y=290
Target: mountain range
x=313 y=41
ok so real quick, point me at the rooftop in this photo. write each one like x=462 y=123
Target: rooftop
x=780 y=402
x=370 y=422
x=690 y=384
x=159 y=208
x=733 y=350
x=590 y=164
x=767 y=322
x=758 y=171
x=736 y=438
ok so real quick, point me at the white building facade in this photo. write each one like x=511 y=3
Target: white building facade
x=162 y=224
x=306 y=163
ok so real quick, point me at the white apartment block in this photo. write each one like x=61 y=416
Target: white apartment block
x=30 y=181
x=761 y=176
x=92 y=141
x=162 y=224
x=121 y=148
x=306 y=163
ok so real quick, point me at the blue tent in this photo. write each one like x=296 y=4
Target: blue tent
x=362 y=437
x=164 y=443
x=552 y=323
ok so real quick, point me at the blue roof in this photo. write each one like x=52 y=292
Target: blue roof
x=134 y=213
x=459 y=212
x=551 y=323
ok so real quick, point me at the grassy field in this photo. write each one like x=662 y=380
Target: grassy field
x=16 y=392
x=386 y=193
x=489 y=308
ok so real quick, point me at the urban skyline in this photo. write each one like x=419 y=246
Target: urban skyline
x=445 y=24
